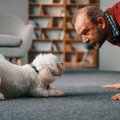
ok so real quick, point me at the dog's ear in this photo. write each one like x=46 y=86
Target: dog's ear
x=60 y=68
x=45 y=76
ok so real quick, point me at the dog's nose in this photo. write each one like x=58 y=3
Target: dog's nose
x=62 y=63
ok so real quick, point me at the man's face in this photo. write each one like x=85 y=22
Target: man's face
x=92 y=34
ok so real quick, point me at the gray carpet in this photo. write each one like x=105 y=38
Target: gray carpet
x=84 y=100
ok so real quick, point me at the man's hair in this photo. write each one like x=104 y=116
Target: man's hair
x=92 y=12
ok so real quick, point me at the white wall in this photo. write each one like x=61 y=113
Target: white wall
x=109 y=54
x=17 y=7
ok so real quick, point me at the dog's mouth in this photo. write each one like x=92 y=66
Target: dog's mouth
x=47 y=87
x=60 y=69
x=62 y=63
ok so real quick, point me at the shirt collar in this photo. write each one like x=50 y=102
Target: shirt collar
x=113 y=25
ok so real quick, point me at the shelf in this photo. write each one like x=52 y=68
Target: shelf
x=49 y=28
x=45 y=4
x=47 y=16
x=82 y=5
x=35 y=51
x=73 y=41
x=49 y=40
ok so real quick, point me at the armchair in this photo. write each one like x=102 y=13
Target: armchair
x=15 y=37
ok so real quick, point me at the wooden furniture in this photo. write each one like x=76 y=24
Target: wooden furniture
x=55 y=34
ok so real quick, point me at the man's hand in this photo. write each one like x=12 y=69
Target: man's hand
x=112 y=86
x=116 y=97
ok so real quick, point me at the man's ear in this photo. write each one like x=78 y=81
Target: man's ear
x=101 y=22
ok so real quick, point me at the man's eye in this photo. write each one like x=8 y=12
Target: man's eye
x=85 y=32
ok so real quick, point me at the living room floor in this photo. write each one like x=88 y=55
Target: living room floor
x=84 y=100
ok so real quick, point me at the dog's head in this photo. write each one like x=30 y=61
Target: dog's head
x=48 y=66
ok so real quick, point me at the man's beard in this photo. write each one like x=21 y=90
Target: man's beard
x=101 y=37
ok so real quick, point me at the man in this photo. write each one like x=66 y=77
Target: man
x=96 y=26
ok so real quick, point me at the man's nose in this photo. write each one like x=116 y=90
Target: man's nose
x=85 y=39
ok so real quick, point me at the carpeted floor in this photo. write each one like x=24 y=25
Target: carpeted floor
x=84 y=100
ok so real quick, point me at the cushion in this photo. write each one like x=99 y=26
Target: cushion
x=9 y=41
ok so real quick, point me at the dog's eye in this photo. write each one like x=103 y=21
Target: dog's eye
x=62 y=63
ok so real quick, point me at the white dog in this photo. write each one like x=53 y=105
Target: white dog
x=30 y=79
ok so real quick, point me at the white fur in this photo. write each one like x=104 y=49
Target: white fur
x=16 y=81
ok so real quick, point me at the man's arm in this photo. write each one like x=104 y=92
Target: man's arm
x=112 y=86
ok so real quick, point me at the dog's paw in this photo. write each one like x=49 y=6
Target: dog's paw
x=57 y=92
x=60 y=93
x=47 y=93
x=2 y=97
